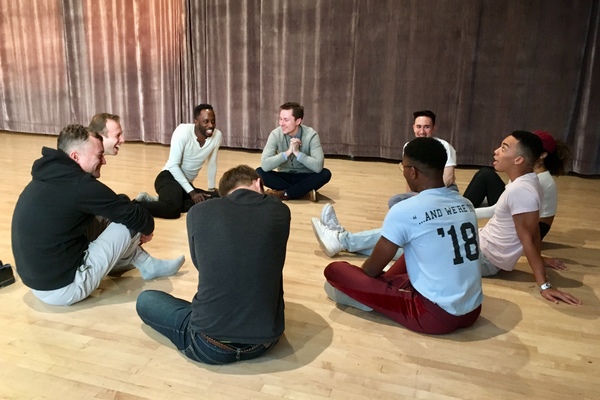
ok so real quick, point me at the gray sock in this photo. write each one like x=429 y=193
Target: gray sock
x=151 y=267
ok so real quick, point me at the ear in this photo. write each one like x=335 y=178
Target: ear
x=74 y=155
x=519 y=160
x=413 y=173
x=544 y=155
x=298 y=121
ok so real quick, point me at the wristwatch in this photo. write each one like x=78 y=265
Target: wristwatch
x=544 y=286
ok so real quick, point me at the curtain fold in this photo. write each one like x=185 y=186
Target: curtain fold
x=584 y=135
x=34 y=90
x=360 y=68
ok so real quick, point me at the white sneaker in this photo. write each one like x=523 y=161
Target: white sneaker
x=143 y=196
x=329 y=219
x=328 y=239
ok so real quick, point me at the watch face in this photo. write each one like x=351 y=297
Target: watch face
x=545 y=286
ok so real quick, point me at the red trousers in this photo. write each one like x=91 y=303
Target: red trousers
x=392 y=294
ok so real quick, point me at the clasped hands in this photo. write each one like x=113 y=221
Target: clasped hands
x=294 y=148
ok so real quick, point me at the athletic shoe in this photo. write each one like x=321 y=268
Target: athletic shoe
x=328 y=239
x=329 y=219
x=143 y=196
x=313 y=196
x=280 y=194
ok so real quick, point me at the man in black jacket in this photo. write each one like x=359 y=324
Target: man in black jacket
x=54 y=254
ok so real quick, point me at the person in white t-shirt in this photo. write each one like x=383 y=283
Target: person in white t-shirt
x=514 y=228
x=487 y=185
x=424 y=126
x=192 y=145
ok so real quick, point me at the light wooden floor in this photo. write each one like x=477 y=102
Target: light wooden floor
x=521 y=347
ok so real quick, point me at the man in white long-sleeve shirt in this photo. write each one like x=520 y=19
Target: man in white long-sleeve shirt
x=192 y=145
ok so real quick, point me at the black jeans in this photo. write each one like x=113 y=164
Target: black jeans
x=172 y=199
x=486 y=183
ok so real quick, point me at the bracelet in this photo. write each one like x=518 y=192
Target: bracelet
x=544 y=286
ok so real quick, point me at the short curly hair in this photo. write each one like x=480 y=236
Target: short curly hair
x=74 y=135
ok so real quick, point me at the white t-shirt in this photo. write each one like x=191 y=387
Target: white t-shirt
x=549 y=198
x=438 y=230
x=549 y=195
x=186 y=157
x=451 y=161
x=498 y=239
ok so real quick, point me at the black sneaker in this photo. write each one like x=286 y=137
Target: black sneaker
x=6 y=275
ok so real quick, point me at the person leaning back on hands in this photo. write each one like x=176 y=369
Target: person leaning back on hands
x=514 y=228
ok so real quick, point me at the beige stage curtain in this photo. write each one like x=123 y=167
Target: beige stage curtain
x=64 y=61
x=360 y=67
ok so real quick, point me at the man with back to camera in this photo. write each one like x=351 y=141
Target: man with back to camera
x=295 y=151
x=238 y=244
x=53 y=253
x=435 y=287
x=424 y=126
x=192 y=145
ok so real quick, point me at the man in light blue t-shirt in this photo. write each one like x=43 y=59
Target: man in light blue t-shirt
x=435 y=287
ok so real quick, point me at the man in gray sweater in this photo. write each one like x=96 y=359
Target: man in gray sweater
x=295 y=151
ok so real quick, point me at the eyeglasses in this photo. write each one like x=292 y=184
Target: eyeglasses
x=402 y=167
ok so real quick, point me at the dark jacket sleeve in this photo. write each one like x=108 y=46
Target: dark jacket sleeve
x=99 y=199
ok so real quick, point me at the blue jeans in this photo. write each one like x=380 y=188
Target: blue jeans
x=171 y=316
x=296 y=185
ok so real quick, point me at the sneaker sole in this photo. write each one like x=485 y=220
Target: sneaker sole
x=325 y=208
x=338 y=227
x=328 y=252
